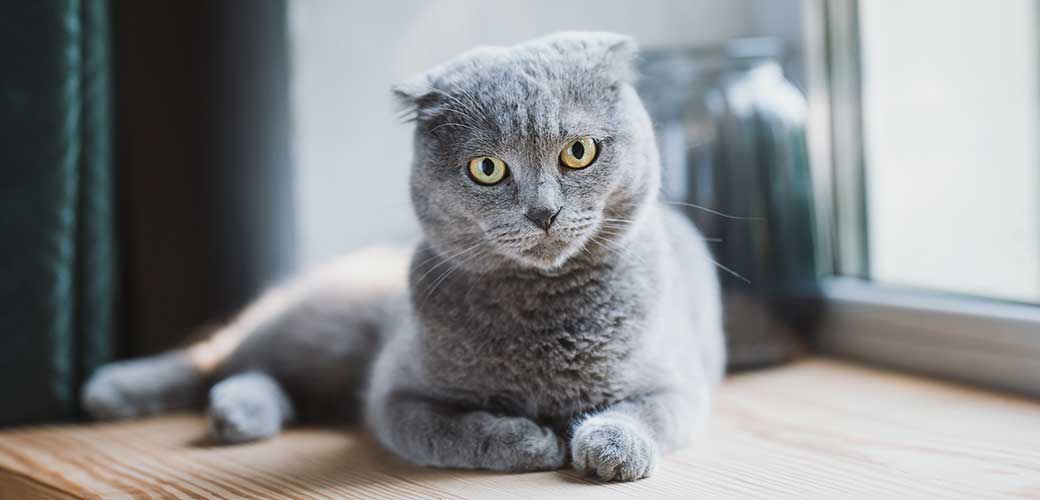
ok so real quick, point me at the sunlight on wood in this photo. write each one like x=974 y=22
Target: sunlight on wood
x=815 y=429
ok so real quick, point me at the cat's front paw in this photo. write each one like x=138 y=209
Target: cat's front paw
x=247 y=407
x=613 y=449
x=518 y=444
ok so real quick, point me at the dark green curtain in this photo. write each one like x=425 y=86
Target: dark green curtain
x=57 y=280
x=155 y=132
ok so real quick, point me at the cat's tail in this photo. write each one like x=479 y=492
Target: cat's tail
x=312 y=339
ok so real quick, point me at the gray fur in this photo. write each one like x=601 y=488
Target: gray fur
x=142 y=387
x=246 y=407
x=597 y=342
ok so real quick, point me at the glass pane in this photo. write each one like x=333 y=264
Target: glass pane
x=951 y=126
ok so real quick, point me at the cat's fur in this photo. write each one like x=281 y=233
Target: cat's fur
x=597 y=342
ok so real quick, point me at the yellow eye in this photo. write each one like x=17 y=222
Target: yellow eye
x=487 y=170
x=579 y=153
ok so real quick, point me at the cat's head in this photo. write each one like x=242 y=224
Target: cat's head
x=532 y=154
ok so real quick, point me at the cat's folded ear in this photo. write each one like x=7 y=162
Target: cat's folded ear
x=619 y=55
x=612 y=53
x=413 y=94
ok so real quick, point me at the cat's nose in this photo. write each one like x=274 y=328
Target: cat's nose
x=543 y=217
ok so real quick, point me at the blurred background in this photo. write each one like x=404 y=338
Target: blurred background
x=345 y=56
x=163 y=161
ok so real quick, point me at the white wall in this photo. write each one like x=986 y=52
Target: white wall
x=352 y=157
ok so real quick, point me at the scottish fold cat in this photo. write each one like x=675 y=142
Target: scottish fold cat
x=553 y=314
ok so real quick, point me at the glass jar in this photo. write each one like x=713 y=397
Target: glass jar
x=731 y=131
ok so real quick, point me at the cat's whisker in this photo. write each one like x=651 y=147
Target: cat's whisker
x=621 y=226
x=407 y=117
x=438 y=256
x=454 y=124
x=613 y=223
x=511 y=240
x=447 y=95
x=444 y=276
x=606 y=245
x=618 y=251
x=406 y=114
x=427 y=261
x=608 y=232
x=472 y=107
x=618 y=227
x=619 y=223
x=465 y=107
x=712 y=211
x=464 y=115
x=730 y=271
x=446 y=260
x=584 y=248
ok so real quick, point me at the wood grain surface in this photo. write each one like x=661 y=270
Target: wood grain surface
x=814 y=429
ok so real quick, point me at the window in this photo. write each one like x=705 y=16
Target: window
x=927 y=158
x=951 y=118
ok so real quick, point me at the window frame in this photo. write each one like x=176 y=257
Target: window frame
x=980 y=341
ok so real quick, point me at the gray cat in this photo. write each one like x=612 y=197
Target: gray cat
x=555 y=312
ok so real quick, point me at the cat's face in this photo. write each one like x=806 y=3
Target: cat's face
x=532 y=154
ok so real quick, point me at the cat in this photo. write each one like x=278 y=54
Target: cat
x=555 y=312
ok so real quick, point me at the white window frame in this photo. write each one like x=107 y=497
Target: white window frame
x=980 y=341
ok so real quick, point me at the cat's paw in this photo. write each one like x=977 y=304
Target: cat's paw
x=104 y=397
x=124 y=389
x=246 y=407
x=519 y=444
x=613 y=449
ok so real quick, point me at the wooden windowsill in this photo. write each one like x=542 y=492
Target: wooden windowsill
x=817 y=428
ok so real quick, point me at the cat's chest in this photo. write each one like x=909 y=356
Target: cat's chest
x=538 y=348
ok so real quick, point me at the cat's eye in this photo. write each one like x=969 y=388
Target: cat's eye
x=579 y=153
x=487 y=170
